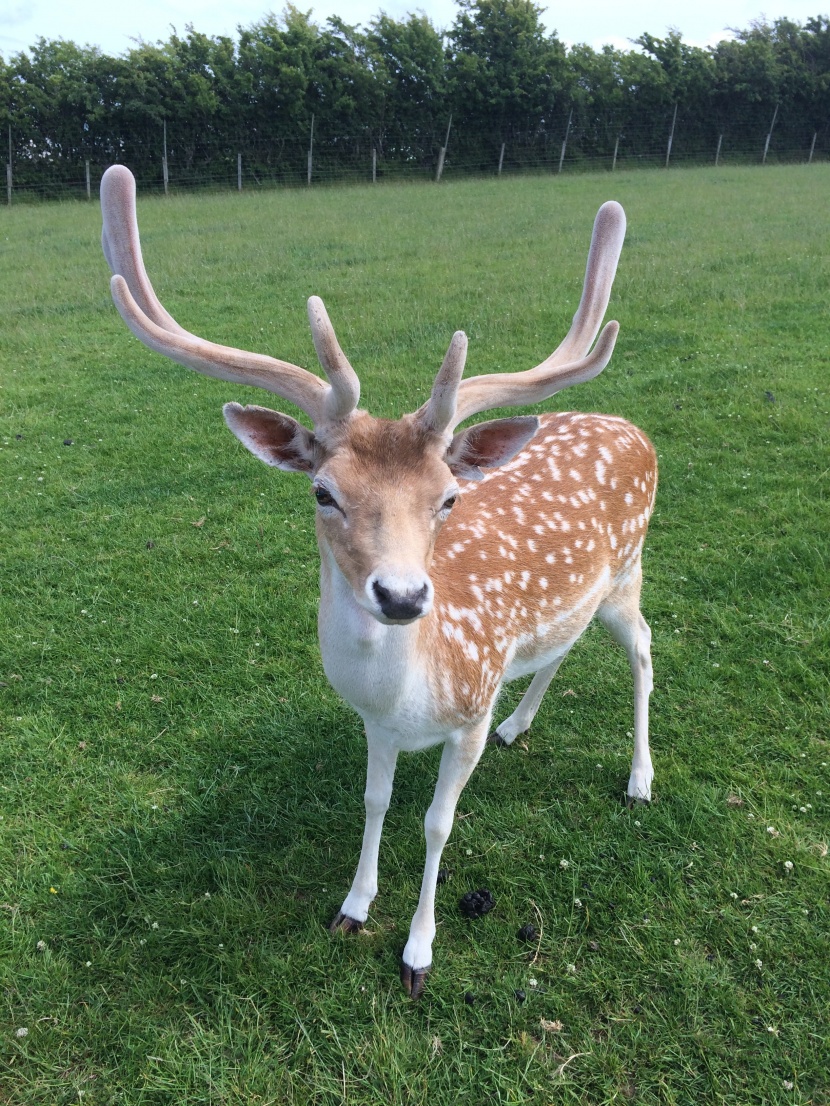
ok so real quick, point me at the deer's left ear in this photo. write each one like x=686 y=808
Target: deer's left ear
x=489 y=445
x=274 y=438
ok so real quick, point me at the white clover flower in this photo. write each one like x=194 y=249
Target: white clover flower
x=41 y=946
x=571 y=969
x=578 y=903
x=733 y=894
x=754 y=929
x=753 y=947
x=788 y=865
x=677 y=940
x=788 y=1084
x=532 y=982
x=759 y=964
x=563 y=864
x=22 y=1032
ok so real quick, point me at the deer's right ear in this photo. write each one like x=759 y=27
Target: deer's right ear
x=274 y=438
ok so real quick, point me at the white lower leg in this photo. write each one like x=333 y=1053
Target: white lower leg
x=457 y=764
x=380 y=774
x=642 y=773
x=522 y=717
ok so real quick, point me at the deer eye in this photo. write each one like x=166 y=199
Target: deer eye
x=449 y=503
x=324 y=498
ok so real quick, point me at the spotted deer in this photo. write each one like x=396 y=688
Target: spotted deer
x=451 y=561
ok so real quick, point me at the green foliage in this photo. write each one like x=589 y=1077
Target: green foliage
x=504 y=71
x=390 y=88
x=180 y=791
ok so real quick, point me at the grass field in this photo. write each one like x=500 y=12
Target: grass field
x=181 y=793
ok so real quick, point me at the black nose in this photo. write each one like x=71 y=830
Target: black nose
x=400 y=606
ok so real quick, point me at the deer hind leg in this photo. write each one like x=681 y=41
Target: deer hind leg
x=621 y=616
x=458 y=760
x=380 y=775
x=522 y=717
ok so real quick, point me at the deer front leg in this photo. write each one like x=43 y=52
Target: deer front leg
x=457 y=763
x=380 y=774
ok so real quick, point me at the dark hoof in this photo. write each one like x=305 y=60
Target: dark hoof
x=413 y=979
x=344 y=924
x=496 y=739
x=633 y=801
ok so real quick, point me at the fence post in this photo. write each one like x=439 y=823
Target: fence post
x=443 y=152
x=812 y=147
x=616 y=147
x=239 y=171
x=717 y=152
x=565 y=143
x=374 y=166
x=88 y=182
x=164 y=172
x=671 y=136
x=501 y=158
x=769 y=135
x=9 y=169
x=311 y=149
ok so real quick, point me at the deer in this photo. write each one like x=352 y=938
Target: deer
x=451 y=560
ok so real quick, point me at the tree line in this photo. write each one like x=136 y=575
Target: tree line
x=286 y=84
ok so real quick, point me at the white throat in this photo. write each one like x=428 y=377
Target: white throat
x=374 y=667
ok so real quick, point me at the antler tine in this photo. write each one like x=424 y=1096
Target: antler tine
x=345 y=387
x=141 y=310
x=606 y=245
x=438 y=413
x=570 y=363
x=122 y=247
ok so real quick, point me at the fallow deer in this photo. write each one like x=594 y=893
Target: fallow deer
x=450 y=561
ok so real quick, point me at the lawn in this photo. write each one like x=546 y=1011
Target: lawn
x=181 y=792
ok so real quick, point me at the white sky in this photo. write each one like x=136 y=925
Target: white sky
x=112 y=25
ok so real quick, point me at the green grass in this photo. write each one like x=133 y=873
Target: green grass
x=180 y=791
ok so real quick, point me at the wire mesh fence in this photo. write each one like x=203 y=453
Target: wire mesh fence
x=180 y=155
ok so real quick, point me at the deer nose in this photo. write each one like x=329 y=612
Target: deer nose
x=402 y=604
